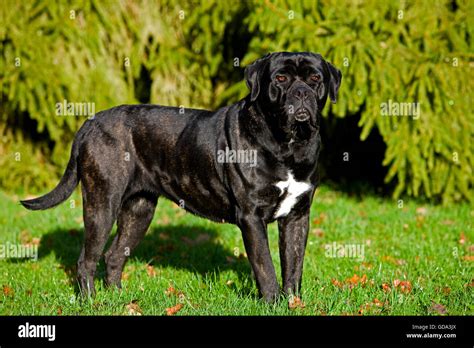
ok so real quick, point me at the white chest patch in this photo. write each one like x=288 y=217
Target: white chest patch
x=293 y=190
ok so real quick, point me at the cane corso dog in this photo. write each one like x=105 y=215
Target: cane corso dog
x=128 y=156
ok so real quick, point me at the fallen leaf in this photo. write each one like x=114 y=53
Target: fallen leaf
x=319 y=220
x=447 y=222
x=468 y=258
x=446 y=290
x=336 y=282
x=175 y=309
x=203 y=237
x=150 y=270
x=164 y=236
x=318 y=232
x=377 y=303
x=133 y=308
x=438 y=308
x=230 y=259
x=295 y=302
x=73 y=232
x=8 y=291
x=403 y=285
x=420 y=220
x=25 y=237
x=421 y=211
x=369 y=307
x=170 y=291
x=355 y=280
x=386 y=287
x=400 y=262
x=60 y=311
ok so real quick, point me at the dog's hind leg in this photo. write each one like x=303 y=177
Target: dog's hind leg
x=99 y=217
x=133 y=221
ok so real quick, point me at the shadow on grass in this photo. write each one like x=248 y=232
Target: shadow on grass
x=181 y=247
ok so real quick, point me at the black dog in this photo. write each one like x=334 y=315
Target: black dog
x=128 y=156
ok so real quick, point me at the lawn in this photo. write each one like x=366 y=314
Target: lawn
x=410 y=259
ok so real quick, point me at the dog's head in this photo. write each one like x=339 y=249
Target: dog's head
x=293 y=87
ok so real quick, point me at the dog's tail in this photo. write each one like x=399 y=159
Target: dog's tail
x=66 y=185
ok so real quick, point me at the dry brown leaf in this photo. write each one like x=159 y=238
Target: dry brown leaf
x=170 y=291
x=377 y=303
x=438 y=308
x=420 y=219
x=319 y=220
x=60 y=311
x=230 y=259
x=133 y=308
x=175 y=309
x=25 y=237
x=295 y=302
x=336 y=282
x=164 y=236
x=447 y=222
x=150 y=270
x=421 y=211
x=468 y=258
x=403 y=285
x=202 y=238
x=446 y=290
x=318 y=232
x=386 y=287
x=8 y=291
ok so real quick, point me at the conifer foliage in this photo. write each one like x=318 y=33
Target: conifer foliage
x=407 y=71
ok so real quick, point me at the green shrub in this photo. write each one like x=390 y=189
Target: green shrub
x=105 y=52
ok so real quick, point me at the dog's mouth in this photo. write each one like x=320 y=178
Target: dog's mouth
x=302 y=115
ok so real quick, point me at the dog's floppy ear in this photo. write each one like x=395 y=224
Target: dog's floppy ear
x=253 y=74
x=334 y=82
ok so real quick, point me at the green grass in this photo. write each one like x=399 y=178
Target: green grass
x=430 y=248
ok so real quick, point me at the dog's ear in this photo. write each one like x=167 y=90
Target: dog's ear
x=253 y=74
x=334 y=82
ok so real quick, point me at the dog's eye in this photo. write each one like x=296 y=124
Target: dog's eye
x=281 y=78
x=315 y=77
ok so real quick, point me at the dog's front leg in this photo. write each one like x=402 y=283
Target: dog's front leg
x=293 y=235
x=254 y=232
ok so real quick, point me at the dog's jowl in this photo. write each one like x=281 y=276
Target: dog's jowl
x=128 y=156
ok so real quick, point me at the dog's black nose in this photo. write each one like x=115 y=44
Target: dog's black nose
x=301 y=93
